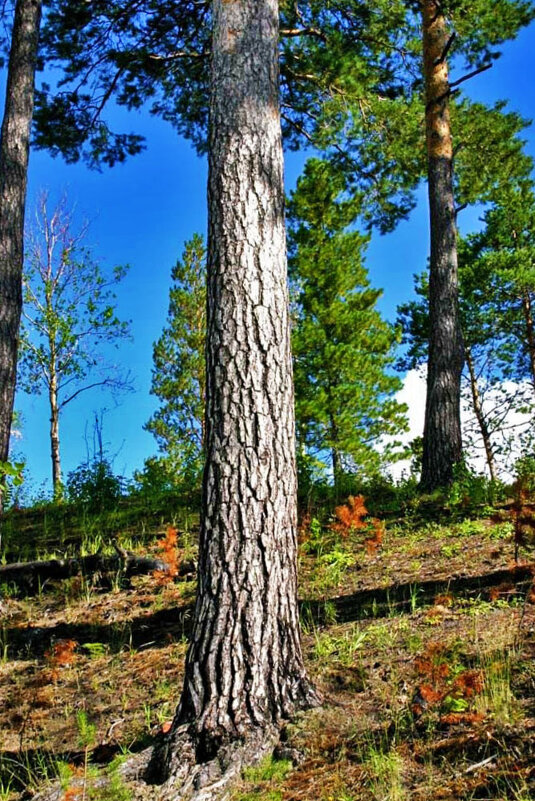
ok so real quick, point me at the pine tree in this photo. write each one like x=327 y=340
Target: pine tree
x=342 y=347
x=497 y=286
x=244 y=668
x=178 y=375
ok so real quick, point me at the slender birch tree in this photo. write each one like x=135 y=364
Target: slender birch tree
x=69 y=314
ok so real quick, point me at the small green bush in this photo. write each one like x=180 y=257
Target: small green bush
x=95 y=486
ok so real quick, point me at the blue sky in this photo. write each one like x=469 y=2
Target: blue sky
x=141 y=213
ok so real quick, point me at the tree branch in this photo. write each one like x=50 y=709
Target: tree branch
x=443 y=56
x=470 y=75
x=176 y=55
x=289 y=32
x=106 y=382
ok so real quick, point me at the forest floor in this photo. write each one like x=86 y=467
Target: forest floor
x=420 y=636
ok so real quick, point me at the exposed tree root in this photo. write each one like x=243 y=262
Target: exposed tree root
x=186 y=779
x=190 y=780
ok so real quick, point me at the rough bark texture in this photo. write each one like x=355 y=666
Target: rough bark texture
x=244 y=669
x=14 y=149
x=442 y=447
x=480 y=417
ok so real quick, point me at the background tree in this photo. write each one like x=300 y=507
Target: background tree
x=69 y=314
x=370 y=124
x=14 y=152
x=342 y=347
x=502 y=259
x=497 y=282
x=442 y=445
x=353 y=83
x=178 y=375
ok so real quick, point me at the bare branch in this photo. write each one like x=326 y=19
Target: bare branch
x=123 y=384
x=443 y=56
x=177 y=54
x=472 y=74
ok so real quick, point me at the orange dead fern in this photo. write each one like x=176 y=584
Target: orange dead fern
x=437 y=685
x=350 y=518
x=60 y=655
x=169 y=555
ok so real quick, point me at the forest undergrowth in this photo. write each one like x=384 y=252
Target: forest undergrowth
x=418 y=628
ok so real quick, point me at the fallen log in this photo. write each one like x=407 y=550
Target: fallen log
x=32 y=577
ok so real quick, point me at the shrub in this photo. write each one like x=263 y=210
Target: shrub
x=94 y=485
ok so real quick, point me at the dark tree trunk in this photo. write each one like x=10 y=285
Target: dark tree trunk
x=244 y=668
x=442 y=447
x=480 y=417
x=335 y=455
x=14 y=150
x=530 y=331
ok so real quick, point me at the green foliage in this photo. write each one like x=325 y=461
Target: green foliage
x=270 y=769
x=94 y=485
x=178 y=376
x=342 y=347
x=344 y=646
x=264 y=777
x=86 y=730
x=11 y=479
x=13 y=471
x=525 y=473
x=472 y=490
x=352 y=87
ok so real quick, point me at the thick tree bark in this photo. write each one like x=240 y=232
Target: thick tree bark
x=14 y=150
x=480 y=416
x=244 y=669
x=442 y=447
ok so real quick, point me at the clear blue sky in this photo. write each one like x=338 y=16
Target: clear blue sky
x=144 y=210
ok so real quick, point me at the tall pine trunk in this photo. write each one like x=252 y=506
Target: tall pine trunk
x=244 y=668
x=442 y=446
x=14 y=151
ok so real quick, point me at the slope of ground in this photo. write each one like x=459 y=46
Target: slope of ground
x=420 y=635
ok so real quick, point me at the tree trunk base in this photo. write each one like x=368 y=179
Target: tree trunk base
x=188 y=780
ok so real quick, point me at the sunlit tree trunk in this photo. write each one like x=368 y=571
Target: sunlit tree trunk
x=442 y=447
x=14 y=150
x=244 y=668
